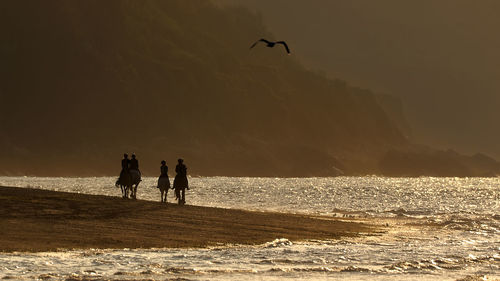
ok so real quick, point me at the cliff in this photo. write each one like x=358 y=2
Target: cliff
x=82 y=82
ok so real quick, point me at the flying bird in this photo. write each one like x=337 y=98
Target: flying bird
x=271 y=44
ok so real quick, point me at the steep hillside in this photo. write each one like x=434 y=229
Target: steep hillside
x=81 y=82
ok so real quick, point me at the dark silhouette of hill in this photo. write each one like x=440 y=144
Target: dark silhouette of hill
x=425 y=161
x=81 y=82
x=440 y=57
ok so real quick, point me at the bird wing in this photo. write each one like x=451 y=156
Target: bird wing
x=284 y=44
x=253 y=45
x=261 y=40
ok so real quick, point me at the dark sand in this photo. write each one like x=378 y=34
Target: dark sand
x=41 y=220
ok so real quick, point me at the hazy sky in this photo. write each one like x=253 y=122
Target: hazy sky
x=440 y=56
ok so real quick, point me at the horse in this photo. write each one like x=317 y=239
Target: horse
x=180 y=185
x=125 y=183
x=135 y=177
x=164 y=186
x=128 y=181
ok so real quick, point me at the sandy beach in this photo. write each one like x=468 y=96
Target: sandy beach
x=40 y=220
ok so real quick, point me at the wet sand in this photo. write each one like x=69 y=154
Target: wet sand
x=41 y=220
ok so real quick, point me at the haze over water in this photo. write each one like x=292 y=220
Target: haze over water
x=435 y=228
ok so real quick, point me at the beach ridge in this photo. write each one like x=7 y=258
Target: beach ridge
x=37 y=220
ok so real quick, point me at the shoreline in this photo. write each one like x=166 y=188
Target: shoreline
x=36 y=220
x=353 y=175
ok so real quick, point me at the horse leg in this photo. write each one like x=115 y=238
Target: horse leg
x=177 y=194
x=161 y=196
x=135 y=190
x=183 y=196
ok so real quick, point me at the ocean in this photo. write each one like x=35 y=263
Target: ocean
x=434 y=229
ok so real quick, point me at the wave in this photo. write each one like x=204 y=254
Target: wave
x=475 y=278
x=280 y=242
x=482 y=224
x=324 y=269
x=441 y=263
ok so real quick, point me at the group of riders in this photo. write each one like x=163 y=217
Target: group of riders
x=130 y=177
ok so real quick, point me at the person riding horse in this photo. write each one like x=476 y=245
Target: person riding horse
x=134 y=164
x=125 y=168
x=135 y=175
x=124 y=178
x=130 y=176
x=163 y=169
x=181 y=182
x=163 y=181
x=125 y=164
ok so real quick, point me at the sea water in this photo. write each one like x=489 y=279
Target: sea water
x=433 y=229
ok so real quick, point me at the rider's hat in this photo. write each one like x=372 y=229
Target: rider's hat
x=163 y=162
